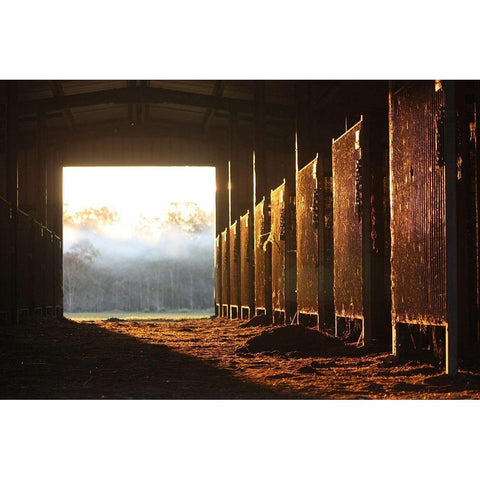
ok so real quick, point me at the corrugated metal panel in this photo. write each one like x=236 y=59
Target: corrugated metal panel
x=218 y=275
x=246 y=262
x=418 y=209
x=225 y=271
x=277 y=239
x=307 y=239
x=347 y=224
x=234 y=260
x=261 y=270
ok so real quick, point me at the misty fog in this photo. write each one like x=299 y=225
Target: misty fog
x=166 y=265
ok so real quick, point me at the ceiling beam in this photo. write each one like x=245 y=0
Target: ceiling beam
x=276 y=141
x=58 y=93
x=218 y=90
x=149 y=95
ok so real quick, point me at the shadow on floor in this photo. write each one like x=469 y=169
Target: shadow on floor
x=62 y=359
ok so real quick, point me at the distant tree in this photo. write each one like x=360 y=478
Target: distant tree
x=188 y=217
x=77 y=272
x=157 y=278
x=90 y=218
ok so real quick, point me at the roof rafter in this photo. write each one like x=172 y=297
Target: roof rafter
x=150 y=95
x=218 y=90
x=58 y=93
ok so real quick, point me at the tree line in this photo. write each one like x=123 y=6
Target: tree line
x=98 y=280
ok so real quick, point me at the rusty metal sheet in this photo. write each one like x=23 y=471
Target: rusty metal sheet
x=418 y=208
x=5 y=256
x=218 y=274
x=347 y=225
x=24 y=260
x=277 y=238
x=307 y=240
x=262 y=227
x=315 y=243
x=246 y=262
x=234 y=259
x=225 y=271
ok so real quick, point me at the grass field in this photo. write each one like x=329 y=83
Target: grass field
x=168 y=315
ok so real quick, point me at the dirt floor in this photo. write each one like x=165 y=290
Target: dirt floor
x=206 y=359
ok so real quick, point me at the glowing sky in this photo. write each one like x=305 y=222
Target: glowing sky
x=134 y=192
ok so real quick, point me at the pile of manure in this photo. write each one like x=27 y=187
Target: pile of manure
x=257 y=321
x=293 y=338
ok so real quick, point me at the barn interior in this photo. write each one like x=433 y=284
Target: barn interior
x=259 y=135
x=47 y=125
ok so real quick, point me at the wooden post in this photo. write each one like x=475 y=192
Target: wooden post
x=390 y=179
x=305 y=142
x=42 y=194
x=12 y=188
x=12 y=158
x=261 y=185
x=221 y=196
x=234 y=168
x=55 y=196
x=451 y=334
x=229 y=194
x=365 y=144
x=251 y=234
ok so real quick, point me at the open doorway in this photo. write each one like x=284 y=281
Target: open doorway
x=138 y=242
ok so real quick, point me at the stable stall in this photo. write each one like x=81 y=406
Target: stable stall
x=434 y=217
x=314 y=246
x=360 y=256
x=247 y=294
x=225 y=275
x=263 y=260
x=282 y=240
x=234 y=262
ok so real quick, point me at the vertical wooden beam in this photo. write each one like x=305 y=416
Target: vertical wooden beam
x=390 y=180
x=305 y=141
x=55 y=192
x=451 y=220
x=12 y=158
x=368 y=167
x=261 y=184
x=251 y=234
x=221 y=196
x=254 y=183
x=229 y=193
x=42 y=194
x=234 y=169
x=12 y=189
